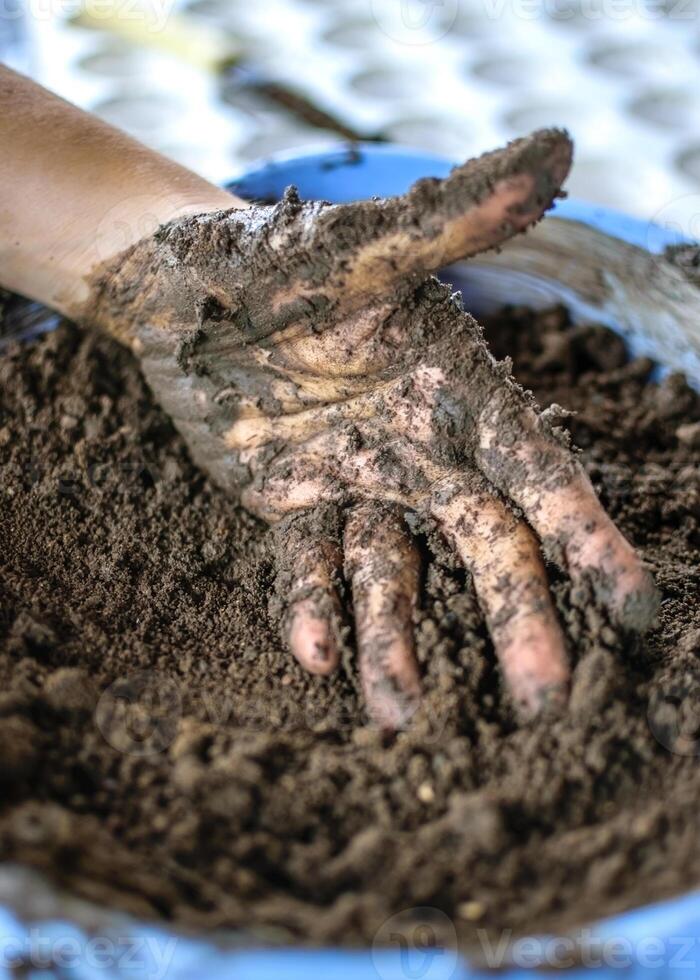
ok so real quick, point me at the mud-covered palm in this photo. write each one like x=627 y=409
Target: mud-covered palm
x=319 y=374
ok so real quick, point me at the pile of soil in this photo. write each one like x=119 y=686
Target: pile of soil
x=161 y=752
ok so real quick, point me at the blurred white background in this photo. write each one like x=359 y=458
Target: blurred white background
x=209 y=82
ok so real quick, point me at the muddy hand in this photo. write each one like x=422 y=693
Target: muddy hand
x=317 y=374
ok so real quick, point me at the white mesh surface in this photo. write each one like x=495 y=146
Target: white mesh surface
x=452 y=76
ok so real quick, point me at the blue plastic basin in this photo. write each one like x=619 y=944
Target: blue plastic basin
x=657 y=941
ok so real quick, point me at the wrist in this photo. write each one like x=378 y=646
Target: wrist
x=56 y=269
x=167 y=278
x=75 y=192
x=124 y=220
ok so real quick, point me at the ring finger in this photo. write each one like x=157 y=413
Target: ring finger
x=511 y=584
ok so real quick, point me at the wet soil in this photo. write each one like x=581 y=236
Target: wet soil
x=162 y=753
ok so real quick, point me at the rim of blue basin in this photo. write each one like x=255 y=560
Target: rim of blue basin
x=655 y=941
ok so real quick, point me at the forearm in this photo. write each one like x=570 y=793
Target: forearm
x=74 y=192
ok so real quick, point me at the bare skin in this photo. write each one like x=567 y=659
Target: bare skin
x=322 y=378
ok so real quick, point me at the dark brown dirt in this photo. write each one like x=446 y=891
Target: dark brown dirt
x=162 y=753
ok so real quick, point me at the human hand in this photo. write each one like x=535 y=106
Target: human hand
x=321 y=378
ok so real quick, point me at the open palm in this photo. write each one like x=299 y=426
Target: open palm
x=322 y=376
